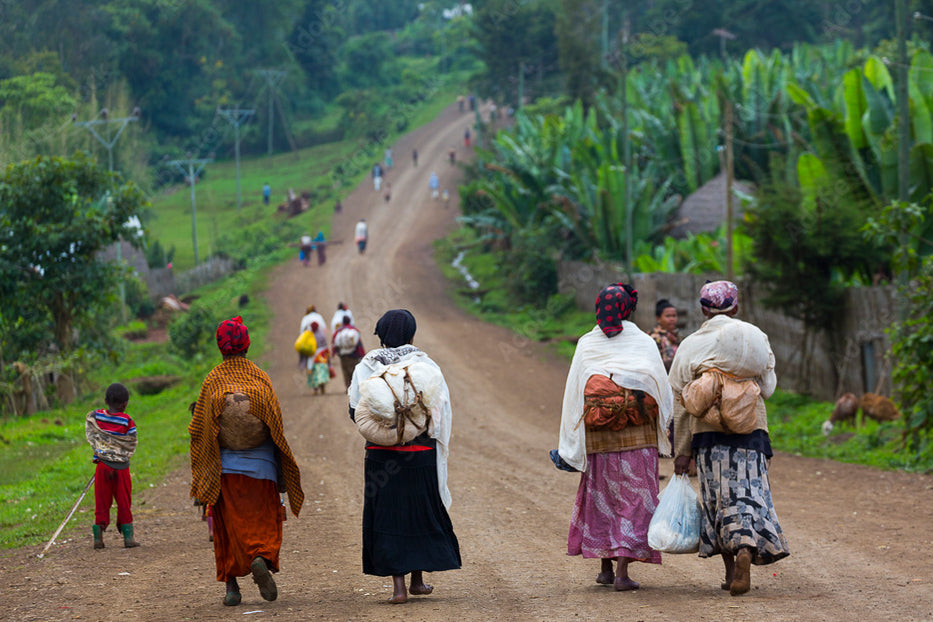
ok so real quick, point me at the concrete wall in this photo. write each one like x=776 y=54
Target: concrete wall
x=804 y=362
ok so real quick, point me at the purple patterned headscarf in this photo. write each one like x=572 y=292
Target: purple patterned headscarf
x=614 y=304
x=719 y=296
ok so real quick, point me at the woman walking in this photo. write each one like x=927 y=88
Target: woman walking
x=406 y=527
x=616 y=409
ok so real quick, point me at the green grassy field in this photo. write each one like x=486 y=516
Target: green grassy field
x=304 y=170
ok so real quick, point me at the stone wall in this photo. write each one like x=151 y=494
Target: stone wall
x=804 y=362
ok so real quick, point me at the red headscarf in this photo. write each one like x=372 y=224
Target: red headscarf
x=614 y=304
x=233 y=337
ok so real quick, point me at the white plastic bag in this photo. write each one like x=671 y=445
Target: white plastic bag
x=675 y=526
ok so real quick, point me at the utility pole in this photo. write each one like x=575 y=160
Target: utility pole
x=521 y=84
x=112 y=138
x=186 y=168
x=273 y=78
x=730 y=174
x=237 y=117
x=903 y=143
x=108 y=144
x=627 y=152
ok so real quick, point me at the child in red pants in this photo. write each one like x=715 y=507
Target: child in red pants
x=112 y=435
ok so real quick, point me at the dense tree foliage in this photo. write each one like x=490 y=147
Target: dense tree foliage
x=56 y=214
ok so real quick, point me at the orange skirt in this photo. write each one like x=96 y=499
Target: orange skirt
x=248 y=520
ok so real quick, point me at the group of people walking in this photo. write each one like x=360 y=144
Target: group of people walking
x=618 y=404
x=619 y=401
x=241 y=463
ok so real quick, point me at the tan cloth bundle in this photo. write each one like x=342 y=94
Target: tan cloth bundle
x=238 y=428
x=107 y=446
x=723 y=401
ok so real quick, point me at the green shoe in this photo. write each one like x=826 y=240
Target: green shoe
x=128 y=541
x=98 y=536
x=263 y=579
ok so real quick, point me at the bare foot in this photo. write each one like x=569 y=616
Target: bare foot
x=607 y=577
x=624 y=584
x=399 y=595
x=420 y=589
x=742 y=576
x=418 y=586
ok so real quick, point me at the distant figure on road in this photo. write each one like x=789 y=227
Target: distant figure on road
x=361 y=234
x=388 y=194
x=304 y=250
x=466 y=137
x=338 y=206
x=377 y=176
x=320 y=244
x=388 y=157
x=414 y=157
x=452 y=154
x=434 y=183
x=266 y=193
x=445 y=195
x=460 y=102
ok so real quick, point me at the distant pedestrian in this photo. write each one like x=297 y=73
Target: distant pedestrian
x=112 y=435
x=348 y=346
x=320 y=245
x=472 y=102
x=445 y=196
x=388 y=157
x=434 y=184
x=377 y=176
x=361 y=234
x=460 y=102
x=304 y=250
x=452 y=154
x=338 y=206
x=337 y=320
x=414 y=157
x=266 y=193
x=466 y=137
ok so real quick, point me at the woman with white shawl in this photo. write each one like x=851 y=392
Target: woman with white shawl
x=406 y=527
x=616 y=410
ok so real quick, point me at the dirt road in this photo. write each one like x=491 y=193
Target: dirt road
x=861 y=540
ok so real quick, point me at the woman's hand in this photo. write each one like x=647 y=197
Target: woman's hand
x=681 y=464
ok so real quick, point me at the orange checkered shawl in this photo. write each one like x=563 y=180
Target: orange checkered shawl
x=237 y=374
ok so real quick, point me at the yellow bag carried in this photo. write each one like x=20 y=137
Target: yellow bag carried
x=306 y=344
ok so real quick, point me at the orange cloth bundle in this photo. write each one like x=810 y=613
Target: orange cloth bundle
x=607 y=406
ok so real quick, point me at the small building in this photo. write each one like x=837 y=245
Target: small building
x=705 y=210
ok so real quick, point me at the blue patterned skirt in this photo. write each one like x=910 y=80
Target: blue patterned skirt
x=737 y=507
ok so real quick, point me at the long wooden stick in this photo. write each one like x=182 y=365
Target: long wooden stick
x=67 y=518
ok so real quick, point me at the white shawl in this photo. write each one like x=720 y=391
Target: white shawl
x=438 y=428
x=633 y=360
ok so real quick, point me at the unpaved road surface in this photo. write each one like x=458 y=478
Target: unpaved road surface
x=861 y=540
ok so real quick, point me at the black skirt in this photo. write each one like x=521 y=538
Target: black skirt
x=405 y=524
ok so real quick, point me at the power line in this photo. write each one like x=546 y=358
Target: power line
x=237 y=117
x=186 y=167
x=273 y=78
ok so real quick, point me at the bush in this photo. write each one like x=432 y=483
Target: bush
x=192 y=331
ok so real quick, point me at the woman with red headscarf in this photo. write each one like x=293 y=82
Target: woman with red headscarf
x=616 y=409
x=240 y=462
